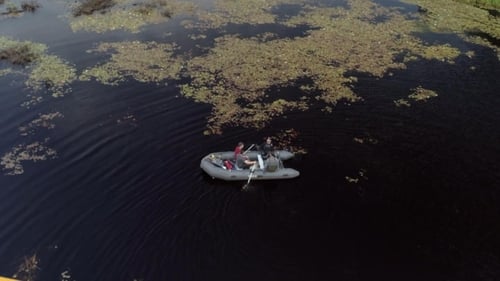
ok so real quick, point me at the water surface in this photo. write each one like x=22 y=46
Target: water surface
x=385 y=192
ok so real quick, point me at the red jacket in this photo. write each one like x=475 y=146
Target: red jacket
x=237 y=151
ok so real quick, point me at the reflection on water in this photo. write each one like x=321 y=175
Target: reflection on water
x=386 y=192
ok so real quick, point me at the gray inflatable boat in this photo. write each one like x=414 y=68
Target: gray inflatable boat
x=214 y=164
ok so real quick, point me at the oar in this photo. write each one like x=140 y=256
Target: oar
x=252 y=169
x=249 y=148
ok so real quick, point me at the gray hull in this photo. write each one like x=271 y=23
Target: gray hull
x=218 y=172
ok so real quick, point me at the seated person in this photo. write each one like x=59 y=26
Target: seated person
x=243 y=162
x=267 y=148
x=238 y=149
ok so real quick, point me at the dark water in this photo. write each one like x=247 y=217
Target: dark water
x=127 y=200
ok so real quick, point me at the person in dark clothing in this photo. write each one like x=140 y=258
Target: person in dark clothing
x=267 y=148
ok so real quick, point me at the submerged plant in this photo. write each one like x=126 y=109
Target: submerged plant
x=20 y=54
x=88 y=7
x=30 y=6
x=28 y=269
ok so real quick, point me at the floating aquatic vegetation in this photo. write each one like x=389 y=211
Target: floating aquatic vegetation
x=197 y=36
x=361 y=37
x=28 y=269
x=37 y=151
x=43 y=121
x=340 y=41
x=128 y=119
x=287 y=139
x=421 y=94
x=44 y=71
x=417 y=94
x=5 y=71
x=363 y=140
x=355 y=179
x=439 y=52
x=66 y=275
x=88 y=7
x=144 y=62
x=237 y=85
x=402 y=102
x=53 y=74
x=351 y=179
x=461 y=18
x=30 y=6
x=20 y=52
x=239 y=11
x=482 y=3
x=131 y=16
x=33 y=99
x=12 y=10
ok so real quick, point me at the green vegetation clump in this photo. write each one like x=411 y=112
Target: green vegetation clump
x=88 y=7
x=421 y=94
x=20 y=54
x=26 y=6
x=30 y=6
x=11 y=10
x=11 y=161
x=5 y=71
x=145 y=62
x=402 y=102
x=44 y=71
x=53 y=74
x=417 y=94
x=130 y=16
x=237 y=85
x=152 y=6
x=240 y=12
x=482 y=3
x=43 y=121
x=465 y=20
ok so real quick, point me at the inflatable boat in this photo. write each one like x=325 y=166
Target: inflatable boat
x=216 y=165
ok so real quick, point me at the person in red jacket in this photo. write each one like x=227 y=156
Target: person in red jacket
x=238 y=149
